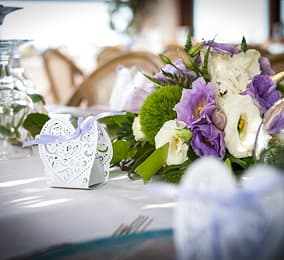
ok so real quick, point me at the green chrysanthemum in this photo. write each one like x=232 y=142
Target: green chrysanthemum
x=158 y=108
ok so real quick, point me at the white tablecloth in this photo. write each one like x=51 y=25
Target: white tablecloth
x=34 y=216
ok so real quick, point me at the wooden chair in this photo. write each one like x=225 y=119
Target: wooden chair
x=277 y=62
x=63 y=74
x=108 y=53
x=261 y=48
x=96 y=89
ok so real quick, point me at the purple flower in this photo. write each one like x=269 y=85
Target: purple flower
x=197 y=103
x=181 y=72
x=208 y=140
x=276 y=125
x=222 y=48
x=264 y=91
x=265 y=66
x=198 y=59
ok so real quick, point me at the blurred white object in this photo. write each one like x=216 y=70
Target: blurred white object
x=129 y=90
x=192 y=216
x=122 y=86
x=81 y=160
x=219 y=218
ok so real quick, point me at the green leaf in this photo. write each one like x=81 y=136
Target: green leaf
x=188 y=44
x=17 y=108
x=154 y=80
x=37 y=98
x=238 y=164
x=121 y=151
x=174 y=173
x=34 y=123
x=119 y=126
x=195 y=50
x=144 y=150
x=205 y=64
x=228 y=163
x=280 y=87
x=244 y=46
x=179 y=80
x=153 y=163
x=4 y=131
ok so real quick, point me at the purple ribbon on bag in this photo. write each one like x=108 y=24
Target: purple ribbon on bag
x=83 y=125
x=240 y=201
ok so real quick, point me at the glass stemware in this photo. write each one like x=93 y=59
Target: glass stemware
x=269 y=145
x=11 y=71
x=14 y=107
x=6 y=79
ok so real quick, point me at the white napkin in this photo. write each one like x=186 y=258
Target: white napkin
x=127 y=81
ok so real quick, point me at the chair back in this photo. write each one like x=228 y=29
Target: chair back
x=277 y=62
x=96 y=89
x=108 y=53
x=63 y=74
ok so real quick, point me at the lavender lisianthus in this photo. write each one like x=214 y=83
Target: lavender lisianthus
x=263 y=90
x=265 y=66
x=208 y=140
x=182 y=72
x=276 y=125
x=222 y=48
x=197 y=103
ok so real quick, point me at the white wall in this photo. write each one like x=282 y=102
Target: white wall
x=230 y=20
x=58 y=23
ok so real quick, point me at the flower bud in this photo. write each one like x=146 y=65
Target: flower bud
x=219 y=119
x=188 y=61
x=196 y=49
x=165 y=59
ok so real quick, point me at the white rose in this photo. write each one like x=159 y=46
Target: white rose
x=232 y=73
x=243 y=120
x=174 y=133
x=137 y=131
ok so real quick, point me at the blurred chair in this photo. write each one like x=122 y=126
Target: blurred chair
x=34 y=70
x=173 y=51
x=261 y=48
x=107 y=53
x=63 y=74
x=96 y=89
x=277 y=62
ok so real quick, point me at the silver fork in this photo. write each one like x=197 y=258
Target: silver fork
x=137 y=225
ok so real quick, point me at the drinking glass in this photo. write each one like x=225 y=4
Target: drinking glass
x=6 y=78
x=14 y=107
x=269 y=144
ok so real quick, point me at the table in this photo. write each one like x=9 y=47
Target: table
x=34 y=216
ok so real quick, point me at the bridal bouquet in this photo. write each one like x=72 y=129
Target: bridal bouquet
x=209 y=102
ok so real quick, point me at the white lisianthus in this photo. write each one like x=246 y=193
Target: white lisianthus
x=232 y=73
x=243 y=120
x=177 y=135
x=137 y=130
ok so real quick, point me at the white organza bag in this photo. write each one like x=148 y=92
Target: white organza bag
x=218 y=217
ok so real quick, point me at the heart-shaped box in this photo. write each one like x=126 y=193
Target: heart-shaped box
x=75 y=158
